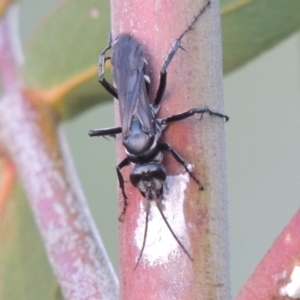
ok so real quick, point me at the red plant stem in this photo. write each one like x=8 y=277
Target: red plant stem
x=6 y=184
x=74 y=248
x=194 y=79
x=9 y=62
x=273 y=273
x=29 y=135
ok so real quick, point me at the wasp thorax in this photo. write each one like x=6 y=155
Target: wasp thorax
x=137 y=141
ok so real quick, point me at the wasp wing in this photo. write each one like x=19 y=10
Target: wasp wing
x=129 y=67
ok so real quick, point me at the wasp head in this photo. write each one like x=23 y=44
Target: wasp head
x=149 y=179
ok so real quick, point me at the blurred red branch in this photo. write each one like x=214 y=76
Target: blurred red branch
x=7 y=183
x=29 y=135
x=270 y=278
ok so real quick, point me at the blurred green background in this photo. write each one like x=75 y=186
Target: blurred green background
x=263 y=147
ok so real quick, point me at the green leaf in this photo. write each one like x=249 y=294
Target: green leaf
x=66 y=45
x=24 y=269
x=250 y=27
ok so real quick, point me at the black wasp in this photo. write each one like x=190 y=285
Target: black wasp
x=140 y=128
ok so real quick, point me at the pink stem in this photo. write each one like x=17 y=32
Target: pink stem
x=271 y=277
x=194 y=79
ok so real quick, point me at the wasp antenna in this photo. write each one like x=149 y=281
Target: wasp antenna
x=145 y=234
x=171 y=230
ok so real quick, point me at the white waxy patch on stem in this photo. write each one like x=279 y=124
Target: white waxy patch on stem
x=292 y=289
x=160 y=244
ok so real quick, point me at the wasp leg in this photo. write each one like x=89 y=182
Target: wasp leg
x=174 y=48
x=125 y=162
x=191 y=112
x=179 y=159
x=105 y=131
x=102 y=59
